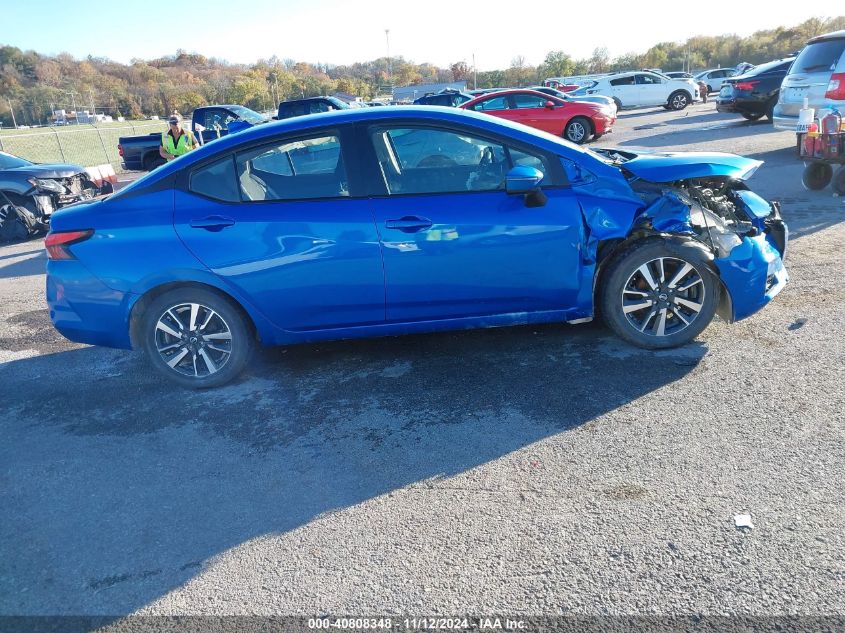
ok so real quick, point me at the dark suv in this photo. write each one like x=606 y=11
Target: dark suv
x=452 y=98
x=312 y=105
x=754 y=93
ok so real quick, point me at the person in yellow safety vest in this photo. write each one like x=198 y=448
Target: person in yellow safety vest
x=175 y=141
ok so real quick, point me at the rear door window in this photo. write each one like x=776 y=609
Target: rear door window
x=529 y=101
x=496 y=103
x=216 y=180
x=300 y=169
x=623 y=81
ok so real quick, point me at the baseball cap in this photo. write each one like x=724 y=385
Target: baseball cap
x=173 y=119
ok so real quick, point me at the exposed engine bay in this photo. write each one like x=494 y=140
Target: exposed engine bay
x=717 y=210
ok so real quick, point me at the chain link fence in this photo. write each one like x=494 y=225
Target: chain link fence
x=85 y=145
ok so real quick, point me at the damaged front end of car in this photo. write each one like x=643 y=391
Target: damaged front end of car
x=703 y=197
x=28 y=211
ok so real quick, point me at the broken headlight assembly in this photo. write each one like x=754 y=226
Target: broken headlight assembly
x=47 y=185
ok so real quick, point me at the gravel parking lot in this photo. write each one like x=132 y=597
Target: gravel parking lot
x=535 y=470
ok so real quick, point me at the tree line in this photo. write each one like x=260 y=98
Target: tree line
x=35 y=85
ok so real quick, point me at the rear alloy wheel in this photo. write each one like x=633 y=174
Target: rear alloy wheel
x=659 y=295
x=578 y=130
x=816 y=176
x=679 y=100
x=196 y=337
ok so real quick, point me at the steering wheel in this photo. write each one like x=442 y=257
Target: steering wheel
x=436 y=160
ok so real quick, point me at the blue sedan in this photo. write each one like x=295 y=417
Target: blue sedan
x=375 y=222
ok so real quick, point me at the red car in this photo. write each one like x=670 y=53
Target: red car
x=573 y=120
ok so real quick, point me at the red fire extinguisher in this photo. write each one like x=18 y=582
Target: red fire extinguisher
x=830 y=129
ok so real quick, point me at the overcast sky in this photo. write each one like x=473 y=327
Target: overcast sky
x=346 y=31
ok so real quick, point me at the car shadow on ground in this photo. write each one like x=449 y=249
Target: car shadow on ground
x=27 y=263
x=144 y=483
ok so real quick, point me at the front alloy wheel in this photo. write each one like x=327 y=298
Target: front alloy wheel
x=679 y=100
x=578 y=130
x=663 y=296
x=659 y=294
x=196 y=337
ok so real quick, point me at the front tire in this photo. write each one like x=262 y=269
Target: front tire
x=578 y=130
x=679 y=100
x=196 y=337
x=751 y=117
x=659 y=294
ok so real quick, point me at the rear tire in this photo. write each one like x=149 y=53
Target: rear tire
x=653 y=310
x=196 y=337
x=770 y=110
x=839 y=181
x=816 y=176
x=618 y=104
x=578 y=130
x=152 y=161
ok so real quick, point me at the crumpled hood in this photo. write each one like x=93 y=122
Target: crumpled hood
x=47 y=171
x=670 y=166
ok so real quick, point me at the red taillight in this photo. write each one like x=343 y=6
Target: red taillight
x=120 y=149
x=836 y=87
x=57 y=243
x=746 y=85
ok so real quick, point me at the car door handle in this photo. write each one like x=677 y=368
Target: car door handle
x=409 y=223
x=212 y=223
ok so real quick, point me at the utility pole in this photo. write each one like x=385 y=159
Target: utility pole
x=14 y=123
x=474 y=74
x=75 y=111
x=389 y=70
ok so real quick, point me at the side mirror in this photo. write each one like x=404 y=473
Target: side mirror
x=526 y=180
x=523 y=179
x=550 y=105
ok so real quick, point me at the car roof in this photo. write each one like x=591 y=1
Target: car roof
x=511 y=91
x=827 y=36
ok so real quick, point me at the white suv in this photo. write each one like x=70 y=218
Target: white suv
x=818 y=75
x=643 y=88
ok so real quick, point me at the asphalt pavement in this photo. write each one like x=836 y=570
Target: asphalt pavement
x=532 y=470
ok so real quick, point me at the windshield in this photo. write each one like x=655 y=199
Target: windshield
x=583 y=89
x=10 y=162
x=250 y=116
x=819 y=56
x=340 y=105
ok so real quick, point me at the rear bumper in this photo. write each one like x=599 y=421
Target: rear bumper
x=784 y=121
x=741 y=106
x=85 y=310
x=753 y=274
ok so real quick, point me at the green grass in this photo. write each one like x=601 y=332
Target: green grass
x=80 y=144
